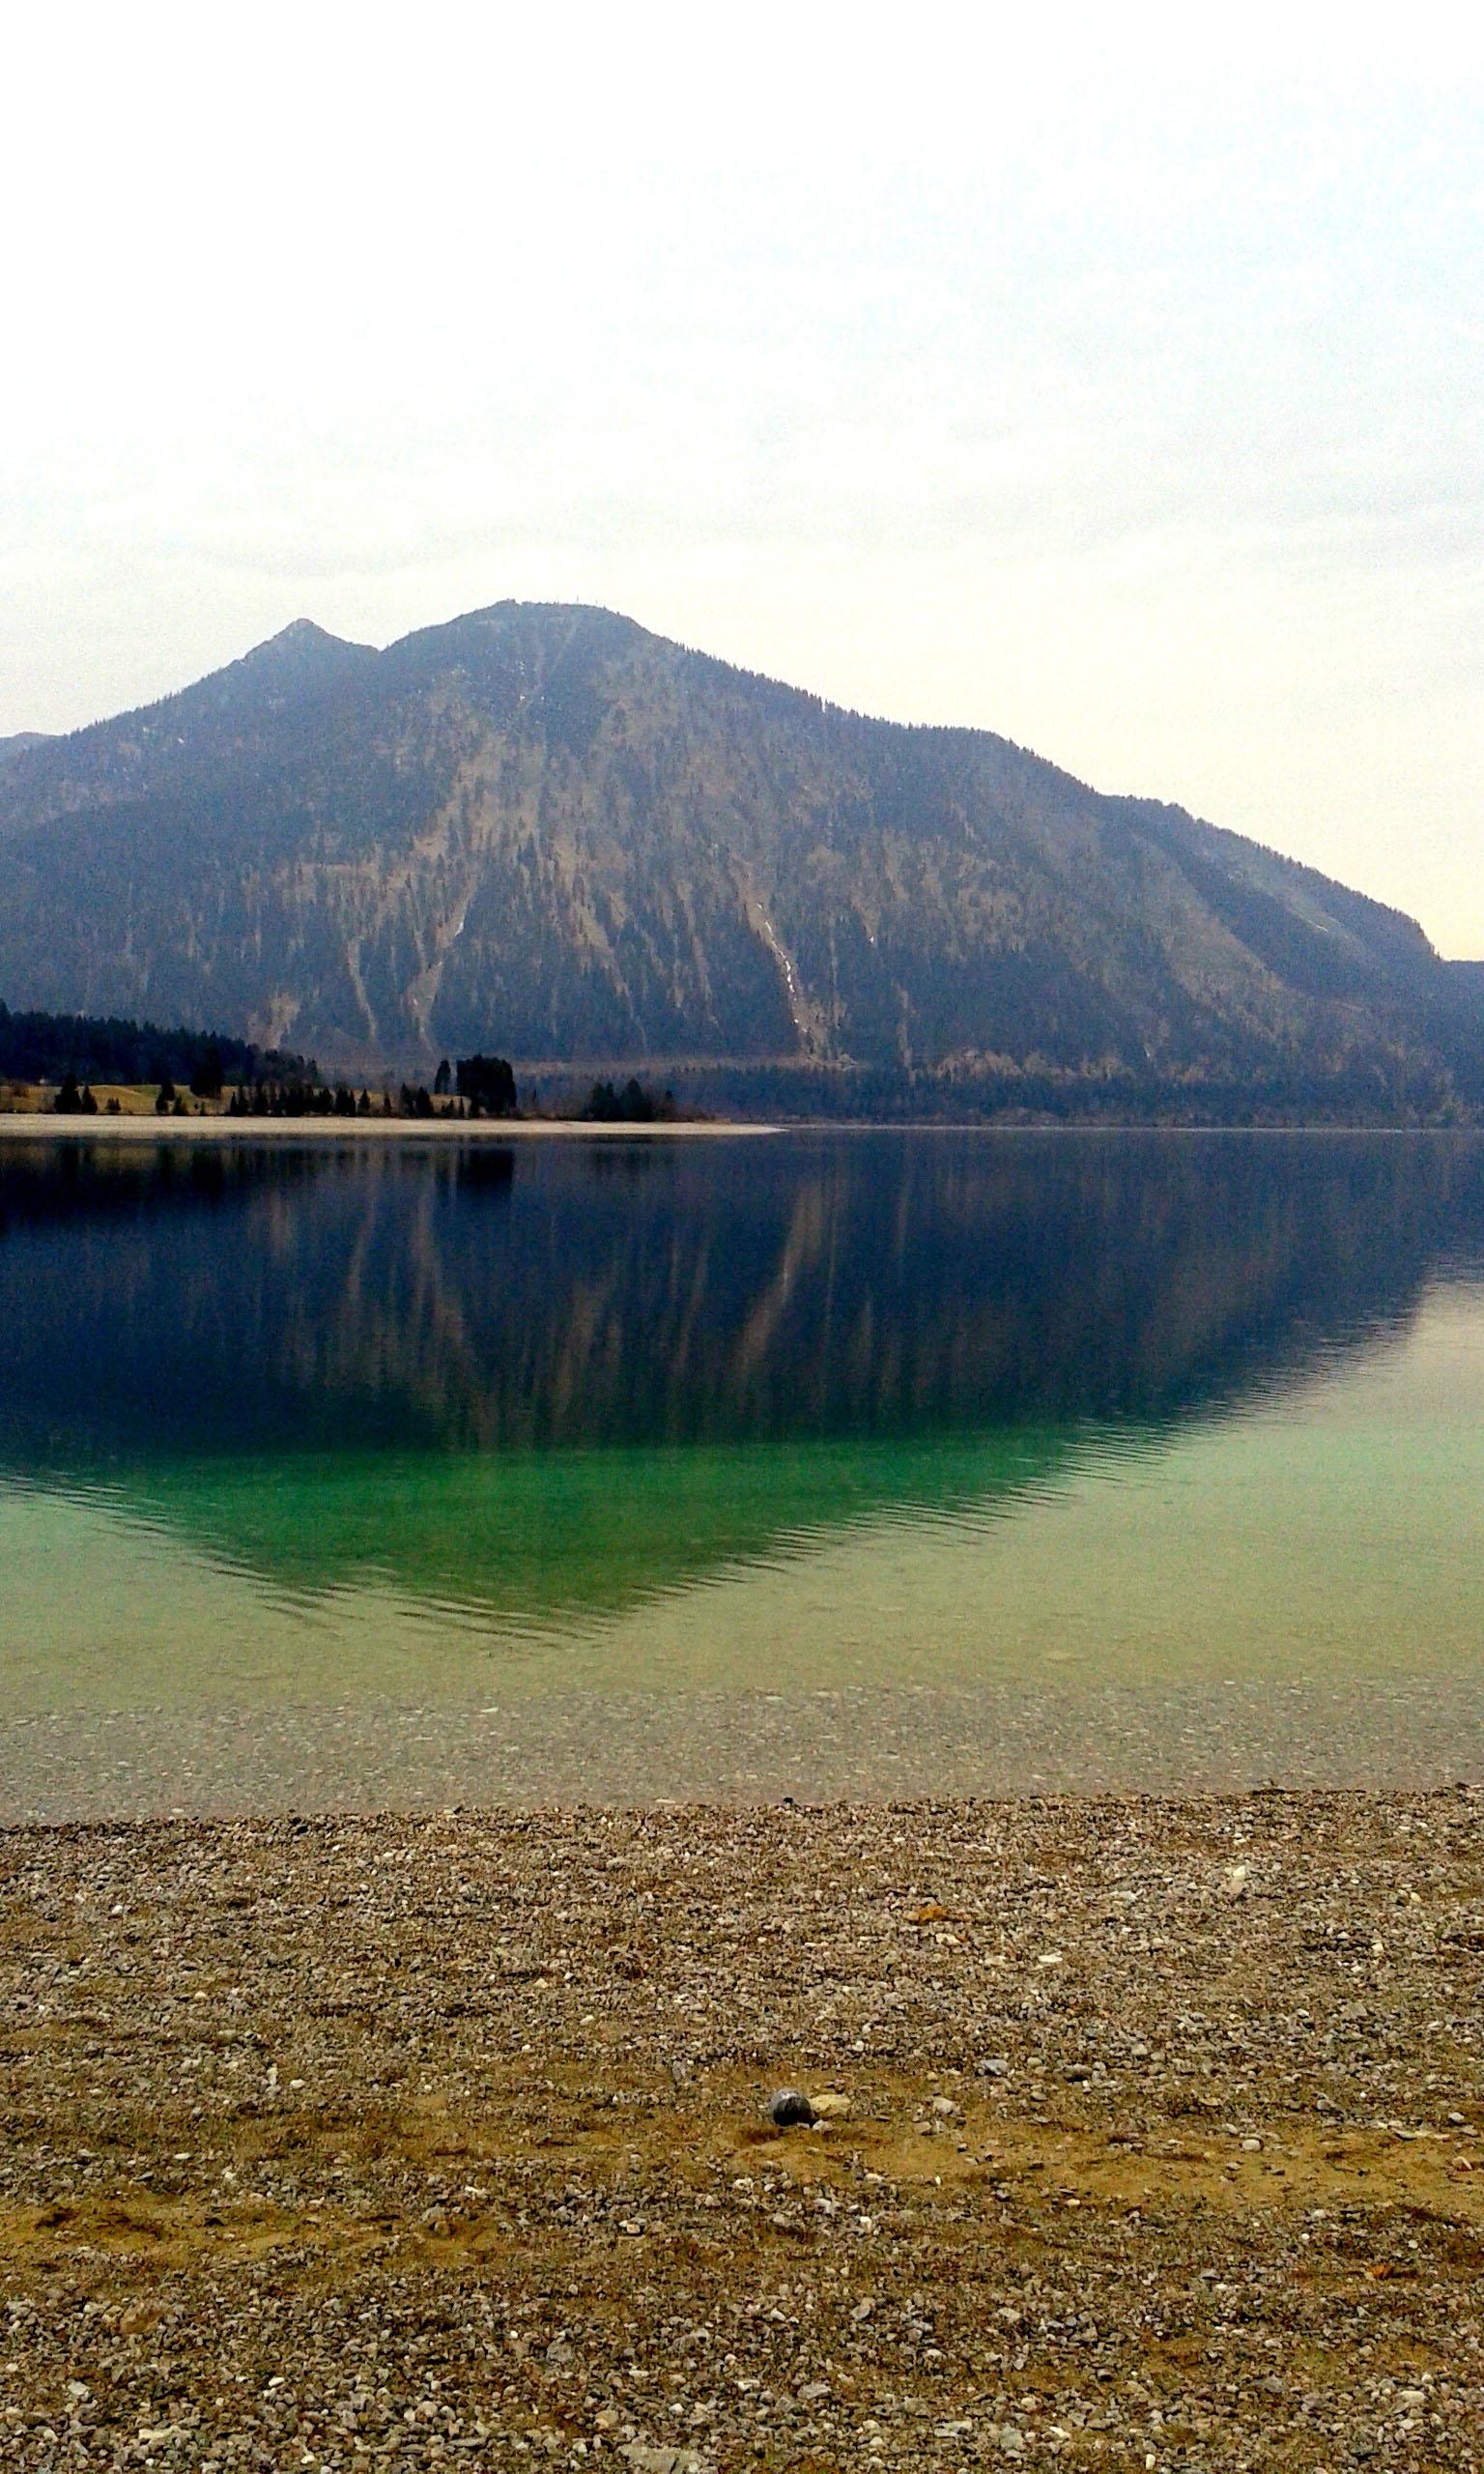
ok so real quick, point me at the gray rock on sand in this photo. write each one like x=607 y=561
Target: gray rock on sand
x=790 y=2109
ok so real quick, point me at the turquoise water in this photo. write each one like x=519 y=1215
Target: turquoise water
x=852 y=1408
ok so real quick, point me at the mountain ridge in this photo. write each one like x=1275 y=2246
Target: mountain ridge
x=542 y=828
x=20 y=743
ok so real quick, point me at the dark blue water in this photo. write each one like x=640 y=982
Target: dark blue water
x=327 y=1420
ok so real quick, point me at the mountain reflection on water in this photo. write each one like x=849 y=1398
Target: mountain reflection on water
x=561 y=1374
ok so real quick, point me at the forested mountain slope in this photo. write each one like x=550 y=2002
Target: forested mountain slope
x=543 y=830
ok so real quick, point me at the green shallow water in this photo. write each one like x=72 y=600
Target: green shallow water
x=852 y=1412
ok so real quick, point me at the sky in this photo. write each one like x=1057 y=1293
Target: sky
x=1111 y=382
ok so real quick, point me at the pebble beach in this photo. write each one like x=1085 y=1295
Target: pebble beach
x=1149 y=2136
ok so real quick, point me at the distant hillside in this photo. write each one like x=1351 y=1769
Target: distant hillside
x=545 y=831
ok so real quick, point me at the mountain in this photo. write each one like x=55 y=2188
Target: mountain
x=223 y=730
x=19 y=745
x=1468 y=979
x=543 y=830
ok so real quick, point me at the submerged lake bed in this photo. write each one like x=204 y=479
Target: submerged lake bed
x=827 y=1462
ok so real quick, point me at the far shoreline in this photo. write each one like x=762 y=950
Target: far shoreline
x=142 y=1126
x=23 y=1126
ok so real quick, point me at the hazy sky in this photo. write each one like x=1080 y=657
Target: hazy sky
x=1114 y=385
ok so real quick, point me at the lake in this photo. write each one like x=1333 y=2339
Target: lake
x=844 y=1461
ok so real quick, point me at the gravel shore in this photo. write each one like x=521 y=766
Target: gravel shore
x=442 y=2141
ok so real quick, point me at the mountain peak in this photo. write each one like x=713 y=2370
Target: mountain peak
x=541 y=829
x=302 y=660
x=302 y=638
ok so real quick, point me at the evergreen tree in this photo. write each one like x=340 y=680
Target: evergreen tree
x=207 y=1078
x=487 y=1084
x=632 y=1106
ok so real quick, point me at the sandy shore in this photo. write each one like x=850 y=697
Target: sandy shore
x=441 y=2143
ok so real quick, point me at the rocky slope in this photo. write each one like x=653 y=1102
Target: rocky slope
x=543 y=830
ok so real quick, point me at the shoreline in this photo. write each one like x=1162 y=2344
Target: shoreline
x=443 y=2140
x=730 y=1750
x=22 y=1125
x=334 y=1130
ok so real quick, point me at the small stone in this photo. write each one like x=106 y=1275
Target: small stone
x=828 y=2105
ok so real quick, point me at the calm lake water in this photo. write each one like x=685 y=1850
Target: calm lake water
x=480 y=1428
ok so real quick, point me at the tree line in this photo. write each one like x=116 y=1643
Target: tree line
x=630 y=1103
x=74 y=1052
x=479 y=1086
x=92 y=1048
